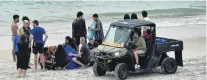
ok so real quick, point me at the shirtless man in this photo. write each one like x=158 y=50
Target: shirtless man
x=14 y=28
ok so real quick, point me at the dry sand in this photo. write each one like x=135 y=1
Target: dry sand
x=194 y=69
x=194 y=55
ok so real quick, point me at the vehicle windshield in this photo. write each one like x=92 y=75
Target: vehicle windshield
x=116 y=36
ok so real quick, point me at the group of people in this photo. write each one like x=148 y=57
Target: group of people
x=23 y=45
x=27 y=40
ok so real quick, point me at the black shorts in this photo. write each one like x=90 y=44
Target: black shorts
x=77 y=39
x=82 y=61
x=38 y=48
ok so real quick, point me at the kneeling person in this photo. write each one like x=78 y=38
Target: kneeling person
x=60 y=58
x=82 y=58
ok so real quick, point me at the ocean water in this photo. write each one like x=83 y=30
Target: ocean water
x=57 y=16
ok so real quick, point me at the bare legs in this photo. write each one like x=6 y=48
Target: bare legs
x=13 y=54
x=24 y=72
x=136 y=53
x=35 y=61
x=42 y=59
x=78 y=62
x=21 y=71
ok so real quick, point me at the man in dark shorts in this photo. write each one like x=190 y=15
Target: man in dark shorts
x=82 y=58
x=79 y=28
x=38 y=43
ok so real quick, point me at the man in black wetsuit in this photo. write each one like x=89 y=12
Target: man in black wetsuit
x=79 y=28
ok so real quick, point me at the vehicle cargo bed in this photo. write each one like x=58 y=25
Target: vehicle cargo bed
x=168 y=45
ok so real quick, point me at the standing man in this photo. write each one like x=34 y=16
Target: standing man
x=144 y=15
x=144 y=28
x=98 y=30
x=14 y=28
x=38 y=43
x=79 y=28
x=26 y=30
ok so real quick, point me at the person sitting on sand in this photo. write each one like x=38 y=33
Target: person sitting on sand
x=92 y=44
x=82 y=58
x=23 y=55
x=126 y=16
x=70 y=41
x=60 y=57
x=49 y=53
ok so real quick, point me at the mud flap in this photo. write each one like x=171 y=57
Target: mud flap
x=179 y=58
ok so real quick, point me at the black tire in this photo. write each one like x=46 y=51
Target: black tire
x=121 y=71
x=97 y=70
x=169 y=66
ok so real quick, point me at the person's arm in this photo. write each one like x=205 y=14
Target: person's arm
x=96 y=44
x=143 y=44
x=79 y=54
x=99 y=26
x=85 y=31
x=73 y=30
x=46 y=35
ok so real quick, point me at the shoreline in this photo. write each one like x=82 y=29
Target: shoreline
x=193 y=36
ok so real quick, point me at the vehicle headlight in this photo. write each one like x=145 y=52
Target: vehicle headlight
x=116 y=54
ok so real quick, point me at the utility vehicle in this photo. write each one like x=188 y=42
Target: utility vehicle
x=115 y=54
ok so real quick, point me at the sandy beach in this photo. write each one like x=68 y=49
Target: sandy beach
x=180 y=20
x=194 y=55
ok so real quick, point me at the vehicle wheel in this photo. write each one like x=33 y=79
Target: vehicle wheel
x=169 y=65
x=97 y=70
x=121 y=71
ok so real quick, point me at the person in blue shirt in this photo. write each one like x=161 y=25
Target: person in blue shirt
x=38 y=43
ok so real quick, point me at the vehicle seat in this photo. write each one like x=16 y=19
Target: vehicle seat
x=149 y=44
